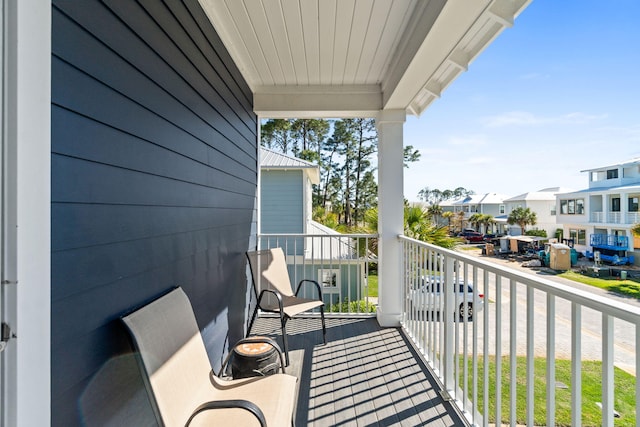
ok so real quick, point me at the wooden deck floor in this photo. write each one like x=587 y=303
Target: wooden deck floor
x=364 y=376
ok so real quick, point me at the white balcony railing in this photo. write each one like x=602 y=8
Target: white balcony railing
x=633 y=218
x=523 y=316
x=345 y=265
x=614 y=217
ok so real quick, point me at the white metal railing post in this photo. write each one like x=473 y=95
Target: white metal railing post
x=513 y=316
x=530 y=356
x=607 y=370
x=447 y=287
x=637 y=370
x=551 y=359
x=576 y=364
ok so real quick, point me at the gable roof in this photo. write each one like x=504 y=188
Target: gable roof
x=270 y=159
x=544 y=194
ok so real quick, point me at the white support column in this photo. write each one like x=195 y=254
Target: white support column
x=26 y=287
x=390 y=214
x=624 y=208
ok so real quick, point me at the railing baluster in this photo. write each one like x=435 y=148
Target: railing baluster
x=485 y=351
x=607 y=370
x=513 y=360
x=576 y=364
x=465 y=344
x=447 y=287
x=637 y=372
x=474 y=357
x=530 y=356
x=551 y=360
x=498 y=317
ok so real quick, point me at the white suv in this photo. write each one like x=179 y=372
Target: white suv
x=426 y=298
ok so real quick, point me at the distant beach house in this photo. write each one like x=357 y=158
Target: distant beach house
x=599 y=218
x=488 y=204
x=543 y=203
x=313 y=250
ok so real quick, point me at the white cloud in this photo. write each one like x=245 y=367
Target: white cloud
x=523 y=118
x=534 y=76
x=468 y=140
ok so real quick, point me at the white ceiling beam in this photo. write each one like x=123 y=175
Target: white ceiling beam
x=447 y=30
x=458 y=34
x=433 y=88
x=317 y=101
x=459 y=59
x=506 y=11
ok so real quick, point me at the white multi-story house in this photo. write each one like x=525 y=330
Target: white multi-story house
x=543 y=203
x=600 y=217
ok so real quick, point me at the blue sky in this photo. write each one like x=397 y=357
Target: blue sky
x=557 y=93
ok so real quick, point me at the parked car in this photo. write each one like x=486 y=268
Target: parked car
x=471 y=236
x=426 y=298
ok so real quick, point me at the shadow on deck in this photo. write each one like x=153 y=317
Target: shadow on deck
x=364 y=376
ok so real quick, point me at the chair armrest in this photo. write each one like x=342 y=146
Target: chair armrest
x=318 y=287
x=271 y=291
x=265 y=340
x=229 y=404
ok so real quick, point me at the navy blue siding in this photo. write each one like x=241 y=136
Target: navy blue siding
x=154 y=174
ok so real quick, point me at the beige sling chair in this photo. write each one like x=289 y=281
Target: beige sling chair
x=272 y=287
x=178 y=374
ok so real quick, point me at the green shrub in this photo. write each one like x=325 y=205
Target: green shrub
x=360 y=306
x=536 y=233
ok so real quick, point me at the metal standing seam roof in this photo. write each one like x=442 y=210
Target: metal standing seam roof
x=270 y=159
x=273 y=159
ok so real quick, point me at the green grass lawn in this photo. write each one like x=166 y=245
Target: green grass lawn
x=614 y=284
x=591 y=392
x=372 y=281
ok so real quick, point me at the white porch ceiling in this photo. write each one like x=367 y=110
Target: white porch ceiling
x=341 y=58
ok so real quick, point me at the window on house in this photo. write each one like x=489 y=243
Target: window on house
x=633 y=204
x=571 y=207
x=615 y=204
x=582 y=237
x=578 y=236
x=553 y=210
x=502 y=209
x=329 y=279
x=612 y=173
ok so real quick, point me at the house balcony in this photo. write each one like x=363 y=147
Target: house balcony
x=615 y=217
x=441 y=361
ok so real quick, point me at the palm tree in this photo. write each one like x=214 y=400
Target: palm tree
x=476 y=219
x=418 y=225
x=434 y=211
x=448 y=215
x=487 y=221
x=460 y=219
x=636 y=229
x=522 y=217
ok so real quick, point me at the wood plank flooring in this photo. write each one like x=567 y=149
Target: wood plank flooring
x=364 y=376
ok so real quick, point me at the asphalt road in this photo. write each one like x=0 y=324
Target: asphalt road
x=624 y=332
